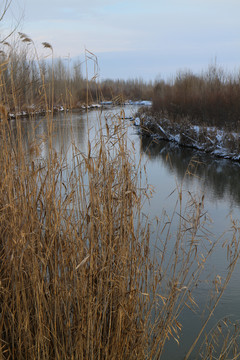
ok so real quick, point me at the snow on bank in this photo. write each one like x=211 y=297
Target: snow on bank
x=32 y=111
x=137 y=121
x=209 y=139
x=139 y=102
x=129 y=102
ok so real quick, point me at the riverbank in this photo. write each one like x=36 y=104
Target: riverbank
x=35 y=111
x=218 y=142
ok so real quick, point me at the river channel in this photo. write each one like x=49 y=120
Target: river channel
x=166 y=166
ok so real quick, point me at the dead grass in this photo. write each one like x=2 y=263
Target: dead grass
x=78 y=277
x=207 y=99
x=24 y=72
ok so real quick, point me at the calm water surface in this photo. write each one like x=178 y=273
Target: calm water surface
x=166 y=165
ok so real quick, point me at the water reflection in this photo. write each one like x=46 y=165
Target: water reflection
x=219 y=177
x=66 y=130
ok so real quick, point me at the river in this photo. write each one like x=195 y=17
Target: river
x=166 y=165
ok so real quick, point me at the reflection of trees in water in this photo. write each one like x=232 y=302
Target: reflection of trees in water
x=220 y=175
x=66 y=130
x=69 y=130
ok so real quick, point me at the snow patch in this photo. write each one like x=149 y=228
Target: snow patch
x=209 y=139
x=137 y=121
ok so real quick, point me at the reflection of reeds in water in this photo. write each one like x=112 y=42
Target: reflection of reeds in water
x=78 y=280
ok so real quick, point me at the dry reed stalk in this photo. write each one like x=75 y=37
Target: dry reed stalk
x=78 y=280
x=206 y=99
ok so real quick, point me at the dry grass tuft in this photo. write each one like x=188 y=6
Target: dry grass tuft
x=78 y=279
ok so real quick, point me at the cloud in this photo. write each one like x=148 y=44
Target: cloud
x=182 y=32
x=62 y=10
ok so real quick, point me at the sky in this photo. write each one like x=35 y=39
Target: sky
x=149 y=39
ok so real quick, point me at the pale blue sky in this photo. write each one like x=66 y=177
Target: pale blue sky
x=136 y=38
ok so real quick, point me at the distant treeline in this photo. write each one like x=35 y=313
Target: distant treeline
x=211 y=98
x=27 y=80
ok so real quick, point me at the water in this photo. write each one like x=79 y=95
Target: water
x=218 y=180
x=166 y=166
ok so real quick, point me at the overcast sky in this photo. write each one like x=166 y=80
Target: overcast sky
x=135 y=38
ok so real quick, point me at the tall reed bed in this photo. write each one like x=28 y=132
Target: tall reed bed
x=81 y=277
x=210 y=98
x=24 y=71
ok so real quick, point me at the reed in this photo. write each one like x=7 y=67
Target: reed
x=81 y=277
x=68 y=87
x=206 y=99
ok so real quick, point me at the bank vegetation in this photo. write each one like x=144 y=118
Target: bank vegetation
x=29 y=80
x=200 y=111
x=82 y=276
